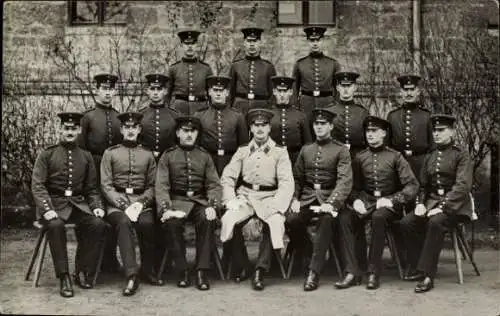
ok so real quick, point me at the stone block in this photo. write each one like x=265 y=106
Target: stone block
x=358 y=19
x=140 y=16
x=392 y=43
x=263 y=17
x=394 y=24
x=360 y=43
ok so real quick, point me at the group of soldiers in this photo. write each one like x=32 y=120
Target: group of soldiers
x=252 y=145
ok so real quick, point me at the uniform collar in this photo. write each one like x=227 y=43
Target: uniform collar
x=350 y=102
x=129 y=143
x=266 y=147
x=68 y=145
x=323 y=142
x=102 y=106
x=283 y=106
x=157 y=106
x=444 y=147
x=218 y=106
x=316 y=54
x=411 y=105
x=376 y=149
x=189 y=60
x=187 y=148
x=248 y=57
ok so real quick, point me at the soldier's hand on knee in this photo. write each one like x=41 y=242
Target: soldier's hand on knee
x=210 y=213
x=328 y=208
x=359 y=206
x=166 y=215
x=434 y=211
x=50 y=215
x=295 y=206
x=98 y=212
x=384 y=202
x=233 y=205
x=420 y=210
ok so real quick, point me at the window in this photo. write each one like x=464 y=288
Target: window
x=102 y=12
x=306 y=13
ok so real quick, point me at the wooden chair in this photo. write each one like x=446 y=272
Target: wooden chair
x=42 y=242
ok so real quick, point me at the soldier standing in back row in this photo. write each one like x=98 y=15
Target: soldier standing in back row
x=251 y=85
x=101 y=130
x=187 y=77
x=289 y=126
x=314 y=74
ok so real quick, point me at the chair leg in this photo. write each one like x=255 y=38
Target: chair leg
x=463 y=242
x=277 y=253
x=291 y=261
x=218 y=263
x=162 y=264
x=99 y=260
x=229 y=268
x=333 y=253
x=34 y=255
x=395 y=254
x=39 y=263
x=458 y=259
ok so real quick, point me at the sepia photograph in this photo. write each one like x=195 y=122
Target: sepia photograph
x=250 y=158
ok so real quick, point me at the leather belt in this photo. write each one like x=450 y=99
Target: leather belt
x=251 y=96
x=192 y=98
x=317 y=93
x=188 y=193
x=440 y=191
x=67 y=193
x=257 y=187
x=321 y=186
x=129 y=190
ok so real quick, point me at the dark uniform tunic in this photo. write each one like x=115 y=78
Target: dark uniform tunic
x=187 y=85
x=251 y=85
x=64 y=181
x=445 y=182
x=348 y=125
x=127 y=176
x=411 y=133
x=322 y=174
x=381 y=172
x=158 y=128
x=290 y=129
x=187 y=181
x=315 y=81
x=224 y=130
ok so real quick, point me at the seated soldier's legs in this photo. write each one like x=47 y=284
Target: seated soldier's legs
x=381 y=218
x=413 y=229
x=124 y=230
x=265 y=249
x=231 y=218
x=146 y=236
x=296 y=227
x=56 y=234
x=359 y=229
x=321 y=242
x=346 y=225
x=437 y=226
x=204 y=236
x=90 y=232
x=174 y=234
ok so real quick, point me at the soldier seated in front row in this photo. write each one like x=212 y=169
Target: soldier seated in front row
x=127 y=182
x=64 y=188
x=323 y=179
x=188 y=188
x=265 y=172
x=383 y=183
x=445 y=183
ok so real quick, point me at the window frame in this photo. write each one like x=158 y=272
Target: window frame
x=101 y=10
x=305 y=16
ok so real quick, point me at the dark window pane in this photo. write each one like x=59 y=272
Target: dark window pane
x=290 y=12
x=115 y=11
x=321 y=12
x=84 y=12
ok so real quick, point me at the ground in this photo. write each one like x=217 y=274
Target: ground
x=477 y=296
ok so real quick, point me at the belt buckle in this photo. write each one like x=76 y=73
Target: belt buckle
x=189 y=193
x=348 y=145
x=377 y=193
x=440 y=191
x=68 y=193
x=251 y=96
x=317 y=186
x=191 y=98
x=156 y=153
x=220 y=152
x=408 y=153
x=129 y=190
x=316 y=93
x=255 y=187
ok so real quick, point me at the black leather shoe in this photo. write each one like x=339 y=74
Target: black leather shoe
x=349 y=280
x=312 y=281
x=373 y=282
x=258 y=280
x=152 y=279
x=131 y=286
x=241 y=276
x=184 y=280
x=425 y=285
x=66 y=288
x=83 y=280
x=413 y=275
x=201 y=281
